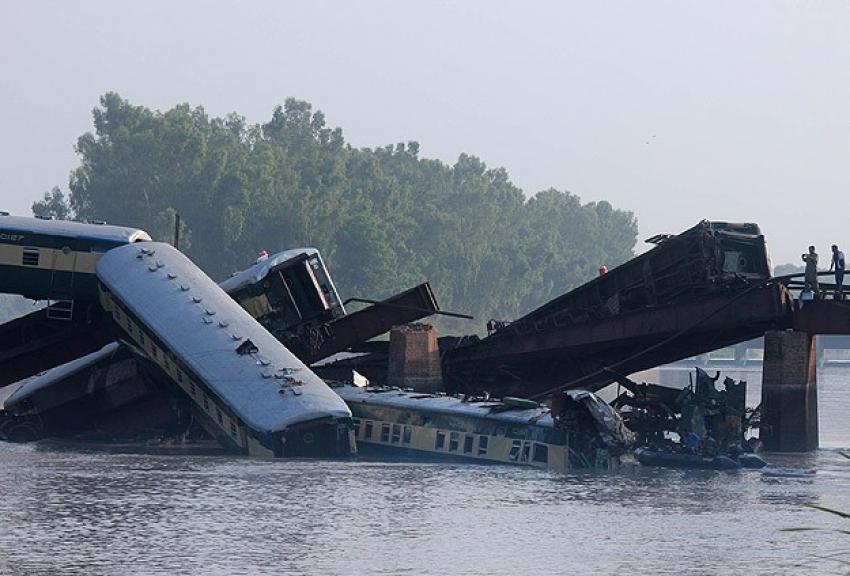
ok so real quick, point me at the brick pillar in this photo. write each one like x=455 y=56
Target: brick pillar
x=789 y=392
x=415 y=358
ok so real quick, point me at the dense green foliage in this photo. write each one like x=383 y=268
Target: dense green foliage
x=384 y=219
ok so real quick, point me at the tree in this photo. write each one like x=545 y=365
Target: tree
x=384 y=218
x=53 y=205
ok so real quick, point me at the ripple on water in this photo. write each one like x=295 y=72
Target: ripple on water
x=79 y=512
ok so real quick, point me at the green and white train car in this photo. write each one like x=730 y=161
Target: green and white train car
x=46 y=259
x=587 y=433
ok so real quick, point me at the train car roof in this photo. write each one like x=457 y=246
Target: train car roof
x=449 y=405
x=52 y=376
x=260 y=270
x=67 y=228
x=203 y=327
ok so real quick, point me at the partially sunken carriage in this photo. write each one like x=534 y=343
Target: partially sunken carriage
x=253 y=393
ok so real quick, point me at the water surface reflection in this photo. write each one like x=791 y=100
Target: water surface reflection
x=81 y=512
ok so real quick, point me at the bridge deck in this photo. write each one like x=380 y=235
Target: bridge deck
x=576 y=355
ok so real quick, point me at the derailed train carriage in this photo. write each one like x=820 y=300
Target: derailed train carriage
x=292 y=295
x=248 y=390
x=578 y=432
x=44 y=259
x=85 y=396
x=290 y=287
x=707 y=259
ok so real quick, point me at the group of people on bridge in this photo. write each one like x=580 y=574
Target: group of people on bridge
x=811 y=276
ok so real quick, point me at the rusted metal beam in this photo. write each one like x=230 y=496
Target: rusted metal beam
x=409 y=306
x=823 y=317
x=771 y=304
x=575 y=355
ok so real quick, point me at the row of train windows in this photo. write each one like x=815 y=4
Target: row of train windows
x=521 y=451
x=206 y=402
x=30 y=256
x=396 y=433
x=468 y=443
x=154 y=350
x=391 y=434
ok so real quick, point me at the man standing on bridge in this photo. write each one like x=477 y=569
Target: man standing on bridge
x=811 y=277
x=838 y=264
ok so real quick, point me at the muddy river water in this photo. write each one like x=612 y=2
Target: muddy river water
x=75 y=511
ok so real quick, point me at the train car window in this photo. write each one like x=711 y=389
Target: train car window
x=385 y=432
x=218 y=415
x=193 y=389
x=526 y=452
x=357 y=427
x=405 y=439
x=440 y=442
x=454 y=441
x=513 y=455
x=368 y=433
x=30 y=257
x=541 y=453
x=396 y=433
x=233 y=428
x=467 y=444
x=482 y=445
x=206 y=404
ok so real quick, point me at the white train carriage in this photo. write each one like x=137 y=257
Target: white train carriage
x=251 y=392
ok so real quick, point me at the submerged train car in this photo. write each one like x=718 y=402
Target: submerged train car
x=70 y=398
x=584 y=432
x=252 y=394
x=46 y=259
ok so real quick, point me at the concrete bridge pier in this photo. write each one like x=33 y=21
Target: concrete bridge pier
x=415 y=358
x=789 y=392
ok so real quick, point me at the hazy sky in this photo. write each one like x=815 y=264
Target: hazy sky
x=676 y=110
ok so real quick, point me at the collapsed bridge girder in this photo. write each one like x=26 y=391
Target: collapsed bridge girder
x=575 y=355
